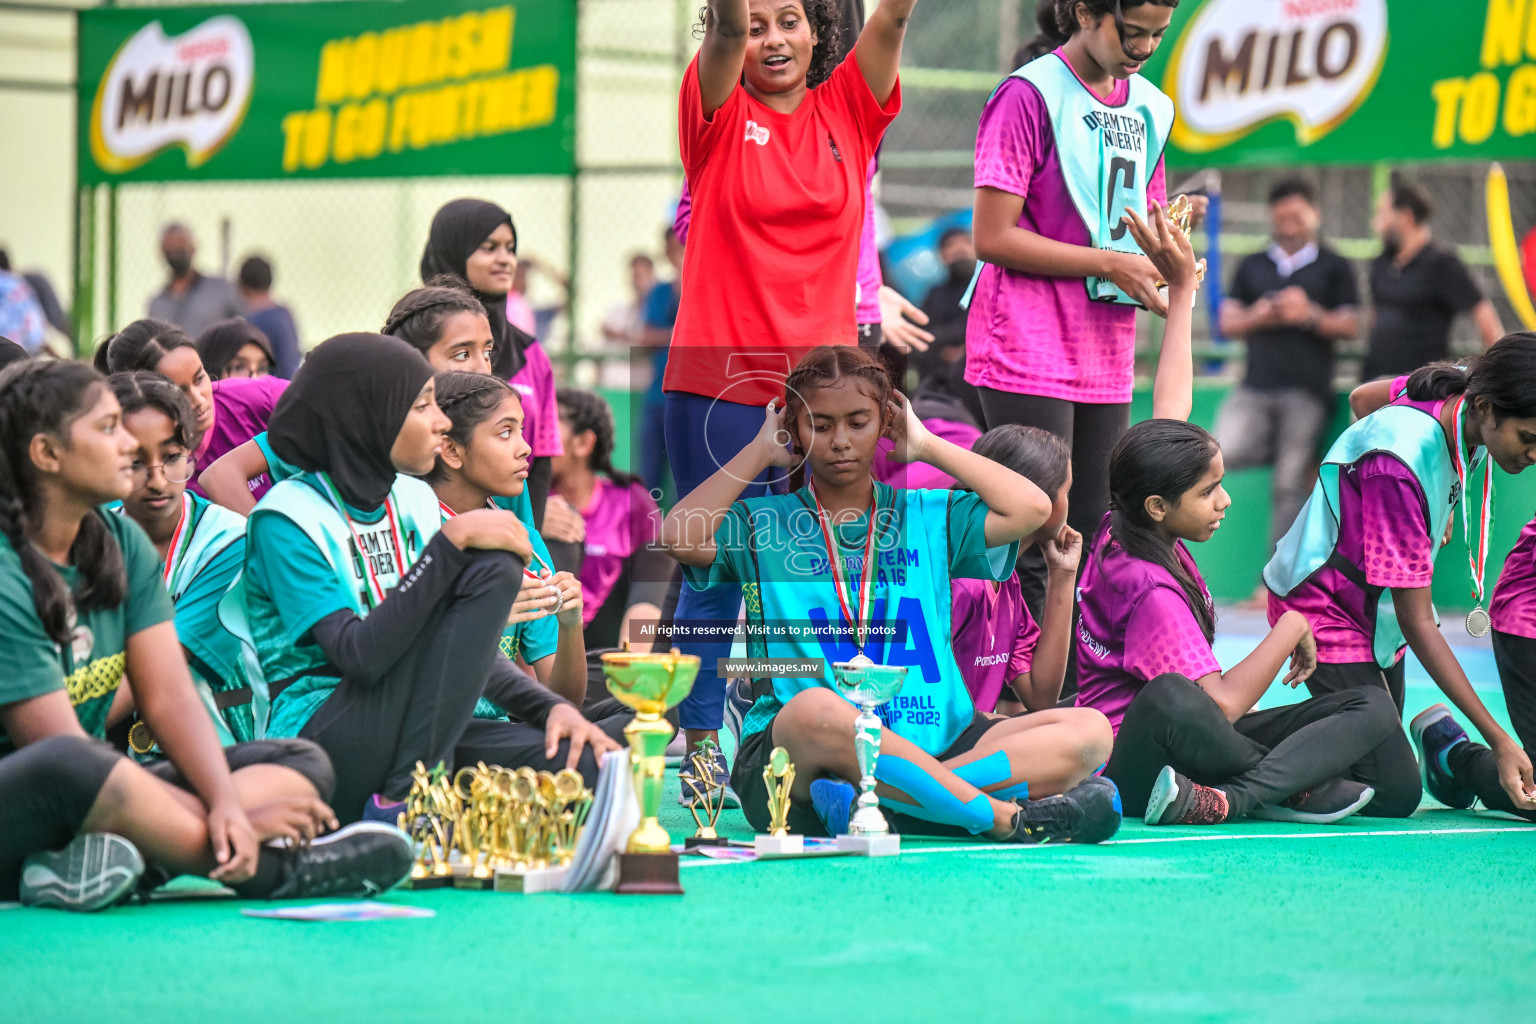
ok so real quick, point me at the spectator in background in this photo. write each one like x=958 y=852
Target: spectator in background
x=1291 y=304
x=661 y=307
x=235 y=348
x=47 y=299
x=21 y=315
x=625 y=320
x=946 y=317
x=1417 y=288
x=274 y=320
x=191 y=300
x=10 y=352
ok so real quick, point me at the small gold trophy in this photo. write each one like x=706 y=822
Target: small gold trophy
x=651 y=684
x=429 y=833
x=543 y=820
x=778 y=778
x=1181 y=214
x=708 y=793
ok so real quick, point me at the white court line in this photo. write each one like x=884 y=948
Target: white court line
x=698 y=862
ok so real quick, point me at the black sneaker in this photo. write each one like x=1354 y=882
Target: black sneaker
x=1436 y=733
x=366 y=858
x=93 y=872
x=1175 y=800
x=1088 y=813
x=1323 y=804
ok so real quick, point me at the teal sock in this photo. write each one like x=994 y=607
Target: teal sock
x=934 y=802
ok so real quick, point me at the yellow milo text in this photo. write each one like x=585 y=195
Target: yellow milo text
x=1470 y=109
x=418 y=86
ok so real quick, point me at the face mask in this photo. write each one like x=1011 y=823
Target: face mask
x=179 y=262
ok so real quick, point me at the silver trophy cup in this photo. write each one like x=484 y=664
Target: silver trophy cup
x=868 y=686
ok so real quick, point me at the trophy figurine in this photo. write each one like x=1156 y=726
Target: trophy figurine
x=544 y=818
x=1181 y=214
x=869 y=686
x=708 y=793
x=778 y=779
x=428 y=831
x=651 y=684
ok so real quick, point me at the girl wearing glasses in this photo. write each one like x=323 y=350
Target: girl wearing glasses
x=235 y=348
x=201 y=546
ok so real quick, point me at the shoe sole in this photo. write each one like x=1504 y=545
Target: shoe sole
x=1164 y=792
x=1280 y=813
x=93 y=872
x=1416 y=729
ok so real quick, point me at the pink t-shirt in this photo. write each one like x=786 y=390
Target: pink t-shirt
x=1135 y=625
x=520 y=314
x=1036 y=335
x=994 y=636
x=917 y=476
x=535 y=382
x=620 y=521
x=242 y=406
x=870 y=279
x=1514 y=596
x=1383 y=532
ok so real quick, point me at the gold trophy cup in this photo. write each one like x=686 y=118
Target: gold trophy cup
x=652 y=684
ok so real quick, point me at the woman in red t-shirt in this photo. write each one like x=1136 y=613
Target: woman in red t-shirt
x=777 y=137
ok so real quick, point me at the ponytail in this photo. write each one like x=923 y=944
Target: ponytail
x=47 y=398
x=139 y=346
x=1164 y=458
x=1505 y=375
x=585 y=410
x=1049 y=37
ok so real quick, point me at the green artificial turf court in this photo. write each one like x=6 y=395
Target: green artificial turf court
x=1428 y=919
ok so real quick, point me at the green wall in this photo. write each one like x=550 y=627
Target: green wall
x=1233 y=560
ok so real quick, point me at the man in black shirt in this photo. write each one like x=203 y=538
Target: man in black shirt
x=1417 y=288
x=1291 y=304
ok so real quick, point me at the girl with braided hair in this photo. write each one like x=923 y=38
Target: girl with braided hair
x=83 y=608
x=443 y=321
x=870 y=566
x=228 y=411
x=625 y=573
x=484 y=463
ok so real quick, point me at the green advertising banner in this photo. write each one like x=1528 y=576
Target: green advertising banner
x=362 y=89
x=1349 y=81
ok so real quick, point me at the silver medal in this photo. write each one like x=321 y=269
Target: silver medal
x=1479 y=622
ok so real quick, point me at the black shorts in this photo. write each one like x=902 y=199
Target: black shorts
x=752 y=757
x=304 y=757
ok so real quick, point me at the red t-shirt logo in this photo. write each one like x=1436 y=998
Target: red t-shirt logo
x=757 y=133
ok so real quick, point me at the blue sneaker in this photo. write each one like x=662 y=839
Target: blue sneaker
x=1090 y=812
x=738 y=701
x=832 y=800
x=687 y=796
x=93 y=872
x=1435 y=734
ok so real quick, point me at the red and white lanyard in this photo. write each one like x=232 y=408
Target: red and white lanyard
x=375 y=589
x=181 y=540
x=858 y=623
x=449 y=513
x=1477 y=555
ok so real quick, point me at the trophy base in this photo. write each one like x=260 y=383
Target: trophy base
x=472 y=882
x=888 y=845
x=429 y=882
x=778 y=846
x=694 y=842
x=648 y=874
x=530 y=880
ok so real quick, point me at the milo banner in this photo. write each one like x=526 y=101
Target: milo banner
x=1350 y=81
x=363 y=89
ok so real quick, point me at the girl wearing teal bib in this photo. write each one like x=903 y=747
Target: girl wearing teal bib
x=444 y=322
x=84 y=609
x=376 y=625
x=202 y=546
x=846 y=567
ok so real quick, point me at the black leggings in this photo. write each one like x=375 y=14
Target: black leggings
x=46 y=791
x=1395 y=772
x=1257 y=761
x=1516 y=658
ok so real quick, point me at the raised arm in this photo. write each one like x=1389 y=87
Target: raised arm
x=1172 y=254
x=723 y=52
x=879 y=49
x=688 y=532
x=1016 y=508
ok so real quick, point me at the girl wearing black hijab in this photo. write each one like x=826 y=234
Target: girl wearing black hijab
x=476 y=240
x=375 y=624
x=235 y=348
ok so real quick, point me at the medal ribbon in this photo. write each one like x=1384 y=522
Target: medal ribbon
x=449 y=513
x=375 y=589
x=859 y=625
x=1477 y=555
x=181 y=540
